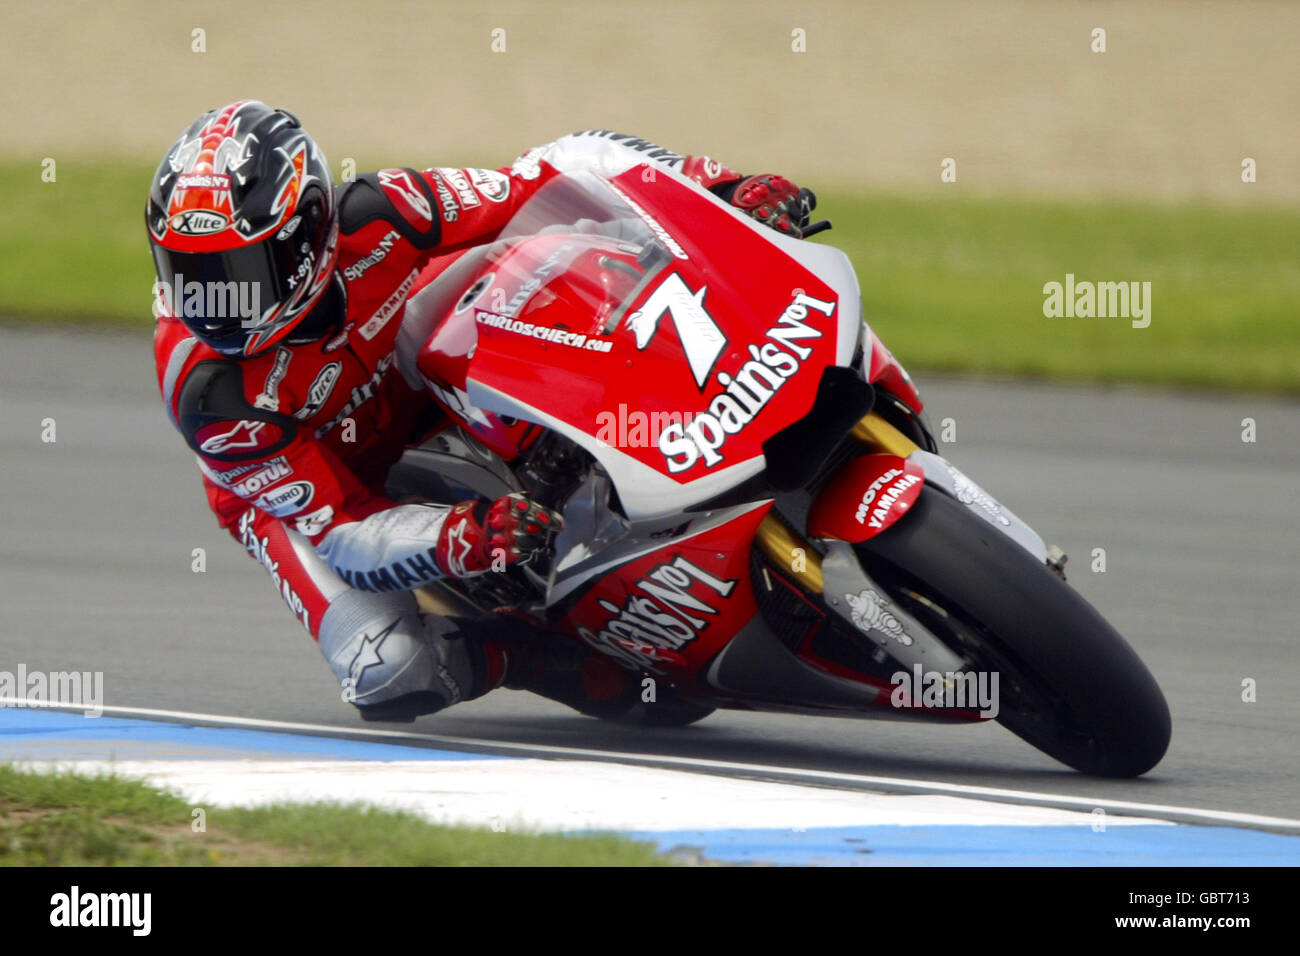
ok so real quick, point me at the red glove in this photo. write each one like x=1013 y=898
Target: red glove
x=775 y=201
x=510 y=530
x=772 y=200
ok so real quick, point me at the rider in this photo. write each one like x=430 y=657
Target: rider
x=285 y=356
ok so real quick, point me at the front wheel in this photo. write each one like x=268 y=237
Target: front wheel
x=1068 y=682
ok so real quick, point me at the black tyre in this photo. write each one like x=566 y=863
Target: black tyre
x=668 y=713
x=1069 y=683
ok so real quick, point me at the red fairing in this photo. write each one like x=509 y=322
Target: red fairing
x=886 y=371
x=671 y=611
x=444 y=360
x=865 y=497
x=723 y=358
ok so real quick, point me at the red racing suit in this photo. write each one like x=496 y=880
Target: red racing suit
x=294 y=444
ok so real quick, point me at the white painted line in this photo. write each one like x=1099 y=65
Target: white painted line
x=571 y=795
x=728 y=768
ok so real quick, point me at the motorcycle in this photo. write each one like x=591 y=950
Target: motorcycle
x=756 y=515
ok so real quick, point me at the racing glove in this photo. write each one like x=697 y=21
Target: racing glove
x=510 y=530
x=410 y=545
x=775 y=201
x=772 y=200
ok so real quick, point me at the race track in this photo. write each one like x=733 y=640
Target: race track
x=1201 y=533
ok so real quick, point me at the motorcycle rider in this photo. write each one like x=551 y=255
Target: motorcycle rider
x=285 y=356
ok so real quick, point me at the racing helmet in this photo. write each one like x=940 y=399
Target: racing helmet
x=243 y=227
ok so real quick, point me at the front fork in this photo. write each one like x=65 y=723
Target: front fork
x=785 y=548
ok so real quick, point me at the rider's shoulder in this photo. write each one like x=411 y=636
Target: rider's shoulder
x=399 y=197
x=217 y=419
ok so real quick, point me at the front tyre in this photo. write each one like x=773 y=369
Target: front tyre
x=1068 y=682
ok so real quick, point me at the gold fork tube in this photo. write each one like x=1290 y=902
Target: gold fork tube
x=877 y=433
x=789 y=551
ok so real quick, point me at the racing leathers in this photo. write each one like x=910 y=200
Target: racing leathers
x=295 y=443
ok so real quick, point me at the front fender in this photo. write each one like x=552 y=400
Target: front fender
x=871 y=493
x=865 y=497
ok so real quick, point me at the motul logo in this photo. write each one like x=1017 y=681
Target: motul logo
x=887 y=500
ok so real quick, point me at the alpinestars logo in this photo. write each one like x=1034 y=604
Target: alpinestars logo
x=458 y=549
x=243 y=435
x=367 y=655
x=665 y=613
x=745 y=391
x=397 y=183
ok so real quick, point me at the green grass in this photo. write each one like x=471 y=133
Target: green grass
x=957 y=285
x=950 y=282
x=75 y=249
x=66 y=819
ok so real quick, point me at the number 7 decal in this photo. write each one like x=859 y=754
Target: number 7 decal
x=702 y=340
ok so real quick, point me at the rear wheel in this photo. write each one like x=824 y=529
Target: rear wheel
x=674 y=712
x=1068 y=682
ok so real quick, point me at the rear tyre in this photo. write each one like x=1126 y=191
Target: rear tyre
x=1068 y=682
x=665 y=713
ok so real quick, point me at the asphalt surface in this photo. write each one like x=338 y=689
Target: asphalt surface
x=1201 y=533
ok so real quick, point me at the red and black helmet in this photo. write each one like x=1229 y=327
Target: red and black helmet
x=243 y=228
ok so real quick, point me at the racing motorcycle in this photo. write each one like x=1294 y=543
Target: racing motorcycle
x=756 y=515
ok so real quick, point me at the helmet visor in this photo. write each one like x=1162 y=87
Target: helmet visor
x=224 y=296
x=221 y=296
